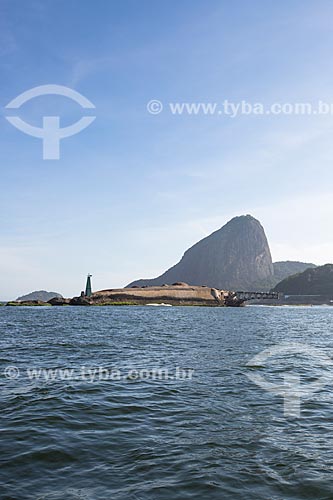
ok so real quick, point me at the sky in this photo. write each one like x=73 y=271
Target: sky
x=131 y=192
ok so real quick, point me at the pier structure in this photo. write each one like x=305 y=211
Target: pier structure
x=257 y=295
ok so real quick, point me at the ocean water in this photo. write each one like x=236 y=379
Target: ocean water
x=113 y=427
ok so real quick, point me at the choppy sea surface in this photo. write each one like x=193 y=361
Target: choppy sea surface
x=114 y=427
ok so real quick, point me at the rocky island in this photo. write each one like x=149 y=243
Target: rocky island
x=210 y=273
x=177 y=294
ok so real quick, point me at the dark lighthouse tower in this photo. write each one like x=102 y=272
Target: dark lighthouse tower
x=88 y=291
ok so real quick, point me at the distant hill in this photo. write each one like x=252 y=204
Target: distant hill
x=287 y=268
x=235 y=257
x=40 y=295
x=317 y=281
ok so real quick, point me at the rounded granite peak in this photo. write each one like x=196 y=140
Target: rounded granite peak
x=235 y=257
x=243 y=218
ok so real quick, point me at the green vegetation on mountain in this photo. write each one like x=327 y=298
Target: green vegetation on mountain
x=317 y=281
x=288 y=268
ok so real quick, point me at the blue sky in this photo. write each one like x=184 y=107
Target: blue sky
x=133 y=191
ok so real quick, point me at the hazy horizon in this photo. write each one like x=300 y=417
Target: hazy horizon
x=82 y=279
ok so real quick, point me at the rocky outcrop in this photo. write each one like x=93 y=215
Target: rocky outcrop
x=29 y=303
x=236 y=257
x=59 y=301
x=176 y=294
